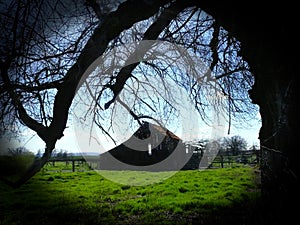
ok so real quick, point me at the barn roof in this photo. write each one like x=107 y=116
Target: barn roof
x=147 y=127
x=165 y=131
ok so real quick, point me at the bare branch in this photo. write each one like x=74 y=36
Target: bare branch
x=152 y=33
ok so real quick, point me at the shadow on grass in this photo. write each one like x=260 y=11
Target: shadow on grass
x=49 y=198
x=87 y=198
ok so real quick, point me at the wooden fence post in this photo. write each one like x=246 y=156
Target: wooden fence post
x=222 y=161
x=73 y=165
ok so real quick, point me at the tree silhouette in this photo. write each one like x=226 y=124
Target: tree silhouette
x=235 y=144
x=44 y=58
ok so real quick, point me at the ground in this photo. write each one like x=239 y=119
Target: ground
x=212 y=196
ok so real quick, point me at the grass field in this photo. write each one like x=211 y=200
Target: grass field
x=212 y=196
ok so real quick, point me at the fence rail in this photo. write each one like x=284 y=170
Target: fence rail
x=67 y=161
x=220 y=161
x=250 y=157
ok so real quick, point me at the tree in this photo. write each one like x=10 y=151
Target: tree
x=15 y=161
x=41 y=74
x=38 y=154
x=268 y=37
x=19 y=151
x=61 y=154
x=235 y=144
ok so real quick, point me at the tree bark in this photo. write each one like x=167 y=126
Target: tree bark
x=275 y=93
x=268 y=38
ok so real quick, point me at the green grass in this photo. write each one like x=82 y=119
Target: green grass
x=212 y=196
x=65 y=167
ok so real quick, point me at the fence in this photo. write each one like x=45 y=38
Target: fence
x=67 y=161
x=251 y=157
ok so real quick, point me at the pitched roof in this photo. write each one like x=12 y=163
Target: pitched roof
x=165 y=131
x=147 y=127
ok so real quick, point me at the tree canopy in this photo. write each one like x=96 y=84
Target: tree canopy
x=46 y=48
x=235 y=144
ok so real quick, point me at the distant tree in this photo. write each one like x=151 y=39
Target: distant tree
x=39 y=154
x=59 y=154
x=70 y=155
x=234 y=144
x=19 y=151
x=16 y=161
x=65 y=155
x=54 y=153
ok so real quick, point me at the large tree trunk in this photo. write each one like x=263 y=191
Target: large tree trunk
x=268 y=37
x=269 y=52
x=275 y=93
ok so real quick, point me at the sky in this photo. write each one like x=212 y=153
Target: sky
x=74 y=142
x=186 y=124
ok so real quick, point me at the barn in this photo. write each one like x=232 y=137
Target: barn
x=150 y=148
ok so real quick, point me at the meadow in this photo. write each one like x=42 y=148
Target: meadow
x=57 y=196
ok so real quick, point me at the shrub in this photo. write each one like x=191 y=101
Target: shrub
x=15 y=165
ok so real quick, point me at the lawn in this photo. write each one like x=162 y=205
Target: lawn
x=211 y=196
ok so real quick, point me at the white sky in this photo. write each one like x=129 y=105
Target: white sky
x=75 y=144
